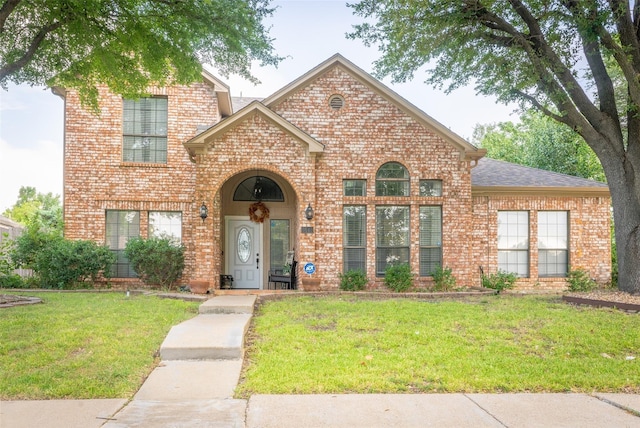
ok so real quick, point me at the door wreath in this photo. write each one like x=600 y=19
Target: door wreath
x=258 y=212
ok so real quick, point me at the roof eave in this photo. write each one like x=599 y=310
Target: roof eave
x=223 y=93
x=539 y=191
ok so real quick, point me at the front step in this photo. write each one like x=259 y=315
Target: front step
x=207 y=337
x=229 y=304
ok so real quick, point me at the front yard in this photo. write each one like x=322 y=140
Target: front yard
x=501 y=343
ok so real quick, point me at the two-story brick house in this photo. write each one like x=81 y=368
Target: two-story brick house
x=386 y=183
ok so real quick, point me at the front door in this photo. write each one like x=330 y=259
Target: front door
x=243 y=249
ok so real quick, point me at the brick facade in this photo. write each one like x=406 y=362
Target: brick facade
x=308 y=147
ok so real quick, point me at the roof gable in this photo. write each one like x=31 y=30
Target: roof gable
x=198 y=143
x=467 y=150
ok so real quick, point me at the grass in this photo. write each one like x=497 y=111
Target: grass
x=306 y=345
x=83 y=345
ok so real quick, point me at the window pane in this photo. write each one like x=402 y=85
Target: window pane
x=386 y=257
x=430 y=258
x=513 y=230
x=279 y=243
x=354 y=237
x=430 y=239
x=553 y=243
x=354 y=259
x=144 y=128
x=392 y=226
x=392 y=236
x=514 y=261
x=354 y=187
x=120 y=226
x=166 y=224
x=430 y=187
x=354 y=226
x=392 y=179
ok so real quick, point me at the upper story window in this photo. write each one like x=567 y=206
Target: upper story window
x=354 y=187
x=430 y=187
x=392 y=179
x=144 y=129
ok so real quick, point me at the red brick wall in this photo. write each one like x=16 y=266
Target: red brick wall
x=589 y=235
x=367 y=132
x=96 y=179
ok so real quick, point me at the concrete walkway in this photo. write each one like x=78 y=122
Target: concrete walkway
x=201 y=363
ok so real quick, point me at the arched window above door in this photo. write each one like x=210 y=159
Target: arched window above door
x=258 y=188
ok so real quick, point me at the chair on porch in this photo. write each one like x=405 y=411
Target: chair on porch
x=286 y=277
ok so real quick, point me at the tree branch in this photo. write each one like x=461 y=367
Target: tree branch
x=11 y=68
x=5 y=11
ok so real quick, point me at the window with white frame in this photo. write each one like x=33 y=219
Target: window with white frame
x=166 y=224
x=553 y=243
x=430 y=239
x=513 y=242
x=392 y=237
x=392 y=179
x=121 y=225
x=354 y=238
x=144 y=129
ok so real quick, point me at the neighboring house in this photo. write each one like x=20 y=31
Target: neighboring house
x=10 y=230
x=386 y=183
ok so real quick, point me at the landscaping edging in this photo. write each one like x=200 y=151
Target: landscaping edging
x=629 y=307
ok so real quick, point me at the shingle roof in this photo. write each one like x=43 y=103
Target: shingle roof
x=240 y=102
x=495 y=173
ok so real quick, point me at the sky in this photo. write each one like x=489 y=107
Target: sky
x=305 y=32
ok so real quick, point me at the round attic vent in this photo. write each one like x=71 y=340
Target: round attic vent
x=336 y=102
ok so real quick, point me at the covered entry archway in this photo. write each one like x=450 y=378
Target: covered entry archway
x=251 y=247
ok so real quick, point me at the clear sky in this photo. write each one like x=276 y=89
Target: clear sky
x=305 y=32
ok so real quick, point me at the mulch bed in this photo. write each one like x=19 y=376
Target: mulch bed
x=8 y=301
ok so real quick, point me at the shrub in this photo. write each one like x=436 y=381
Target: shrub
x=66 y=264
x=443 y=279
x=499 y=281
x=157 y=261
x=353 y=280
x=579 y=280
x=398 y=277
x=11 y=281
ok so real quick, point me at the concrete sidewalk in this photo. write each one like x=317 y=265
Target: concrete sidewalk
x=201 y=362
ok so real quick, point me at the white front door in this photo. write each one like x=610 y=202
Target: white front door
x=243 y=249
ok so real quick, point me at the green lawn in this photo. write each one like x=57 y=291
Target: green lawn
x=83 y=345
x=304 y=345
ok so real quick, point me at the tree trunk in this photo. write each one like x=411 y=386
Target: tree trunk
x=626 y=217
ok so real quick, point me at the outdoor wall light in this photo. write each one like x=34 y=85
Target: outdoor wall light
x=203 y=211
x=308 y=213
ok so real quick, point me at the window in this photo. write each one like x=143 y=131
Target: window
x=145 y=130
x=430 y=239
x=166 y=224
x=258 y=188
x=354 y=238
x=513 y=242
x=430 y=187
x=279 y=242
x=392 y=179
x=553 y=243
x=392 y=237
x=122 y=225
x=354 y=187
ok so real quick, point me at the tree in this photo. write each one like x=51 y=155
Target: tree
x=129 y=44
x=549 y=54
x=540 y=142
x=42 y=211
